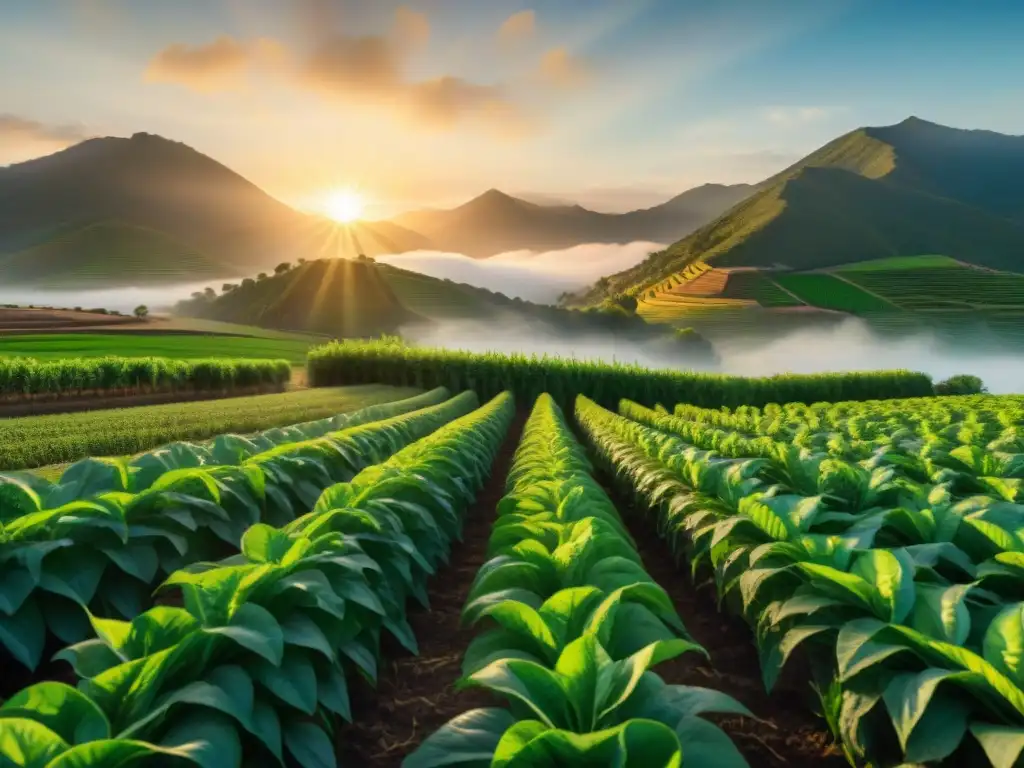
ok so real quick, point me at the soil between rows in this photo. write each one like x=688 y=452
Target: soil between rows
x=415 y=695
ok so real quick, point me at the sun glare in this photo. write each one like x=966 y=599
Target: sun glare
x=344 y=206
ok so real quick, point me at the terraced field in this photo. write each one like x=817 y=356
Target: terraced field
x=943 y=288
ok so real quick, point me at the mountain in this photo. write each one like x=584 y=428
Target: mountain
x=496 y=222
x=183 y=212
x=902 y=190
x=360 y=298
x=340 y=297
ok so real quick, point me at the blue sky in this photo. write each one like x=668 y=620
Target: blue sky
x=615 y=103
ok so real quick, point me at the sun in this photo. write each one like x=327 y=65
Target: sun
x=344 y=206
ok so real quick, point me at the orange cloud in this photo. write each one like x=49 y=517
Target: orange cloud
x=22 y=138
x=217 y=66
x=411 y=27
x=558 y=67
x=517 y=27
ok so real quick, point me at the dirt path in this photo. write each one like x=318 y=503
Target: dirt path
x=414 y=695
x=790 y=735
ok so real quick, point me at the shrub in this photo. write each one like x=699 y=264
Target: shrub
x=961 y=384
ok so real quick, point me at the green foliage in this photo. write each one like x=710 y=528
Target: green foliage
x=256 y=662
x=883 y=539
x=24 y=376
x=100 y=537
x=354 y=362
x=182 y=346
x=574 y=625
x=37 y=441
x=962 y=384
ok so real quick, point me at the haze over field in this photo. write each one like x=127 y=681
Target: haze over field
x=533 y=276
x=850 y=346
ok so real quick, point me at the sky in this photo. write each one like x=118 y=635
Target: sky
x=616 y=104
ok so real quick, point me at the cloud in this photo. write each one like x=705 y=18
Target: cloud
x=22 y=138
x=559 y=68
x=534 y=276
x=217 y=66
x=15 y=130
x=517 y=28
x=799 y=115
x=411 y=27
x=366 y=69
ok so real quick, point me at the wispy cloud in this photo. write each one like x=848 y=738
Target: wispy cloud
x=22 y=138
x=791 y=116
x=376 y=70
x=220 y=65
x=517 y=28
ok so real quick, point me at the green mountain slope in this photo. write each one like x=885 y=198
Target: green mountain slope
x=332 y=296
x=902 y=190
x=349 y=298
x=106 y=254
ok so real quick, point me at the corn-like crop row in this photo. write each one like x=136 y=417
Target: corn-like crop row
x=253 y=669
x=904 y=598
x=389 y=362
x=24 y=376
x=105 y=552
x=570 y=626
x=21 y=493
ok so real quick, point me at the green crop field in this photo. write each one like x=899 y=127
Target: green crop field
x=936 y=287
x=900 y=262
x=552 y=536
x=829 y=292
x=36 y=441
x=53 y=346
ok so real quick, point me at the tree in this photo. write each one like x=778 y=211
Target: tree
x=228 y=287
x=248 y=282
x=209 y=293
x=142 y=312
x=281 y=268
x=261 y=277
x=301 y=262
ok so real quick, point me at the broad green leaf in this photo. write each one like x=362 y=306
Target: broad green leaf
x=309 y=745
x=468 y=741
x=64 y=710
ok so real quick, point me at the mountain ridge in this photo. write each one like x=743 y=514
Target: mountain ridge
x=885 y=192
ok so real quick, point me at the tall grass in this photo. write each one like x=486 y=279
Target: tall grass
x=25 y=377
x=388 y=361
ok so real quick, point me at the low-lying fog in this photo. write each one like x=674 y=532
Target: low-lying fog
x=125 y=300
x=530 y=275
x=850 y=346
x=542 y=276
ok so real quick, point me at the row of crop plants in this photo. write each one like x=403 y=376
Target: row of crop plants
x=104 y=536
x=894 y=562
x=389 y=361
x=26 y=378
x=570 y=627
x=23 y=492
x=245 y=659
x=34 y=442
